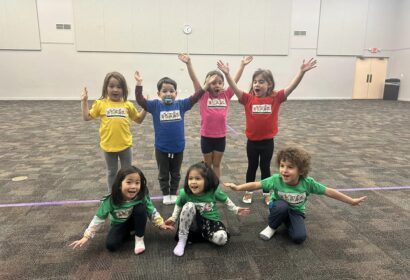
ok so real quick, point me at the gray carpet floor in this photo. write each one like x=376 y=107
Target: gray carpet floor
x=355 y=145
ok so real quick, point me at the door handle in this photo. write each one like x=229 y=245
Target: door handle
x=367 y=79
x=371 y=76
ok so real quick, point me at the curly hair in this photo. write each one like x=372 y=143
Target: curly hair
x=297 y=156
x=211 y=181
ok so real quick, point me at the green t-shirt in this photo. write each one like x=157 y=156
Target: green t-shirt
x=205 y=203
x=295 y=196
x=120 y=213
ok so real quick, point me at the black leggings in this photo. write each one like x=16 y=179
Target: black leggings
x=259 y=154
x=121 y=232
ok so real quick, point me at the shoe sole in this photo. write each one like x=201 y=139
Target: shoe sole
x=264 y=237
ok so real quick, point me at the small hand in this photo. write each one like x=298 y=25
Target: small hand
x=138 y=77
x=184 y=58
x=246 y=60
x=243 y=211
x=232 y=186
x=84 y=95
x=79 y=243
x=223 y=67
x=209 y=80
x=308 y=65
x=170 y=222
x=357 y=201
x=164 y=226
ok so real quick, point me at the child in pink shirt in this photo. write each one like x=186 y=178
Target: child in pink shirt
x=214 y=108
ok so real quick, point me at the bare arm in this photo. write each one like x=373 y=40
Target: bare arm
x=197 y=95
x=225 y=69
x=187 y=60
x=251 y=186
x=343 y=198
x=299 y=76
x=85 y=111
x=244 y=61
x=141 y=116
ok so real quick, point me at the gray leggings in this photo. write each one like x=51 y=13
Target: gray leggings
x=111 y=160
x=213 y=231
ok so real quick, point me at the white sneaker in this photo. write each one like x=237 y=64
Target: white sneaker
x=247 y=198
x=267 y=233
x=166 y=199
x=173 y=199
x=139 y=245
x=266 y=198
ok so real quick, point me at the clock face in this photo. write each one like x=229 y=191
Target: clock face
x=187 y=29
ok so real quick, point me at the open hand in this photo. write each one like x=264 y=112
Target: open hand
x=164 y=226
x=79 y=243
x=308 y=65
x=223 y=67
x=357 y=201
x=184 y=58
x=232 y=186
x=243 y=211
x=169 y=222
x=246 y=60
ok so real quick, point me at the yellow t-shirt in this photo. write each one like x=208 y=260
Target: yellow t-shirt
x=115 y=126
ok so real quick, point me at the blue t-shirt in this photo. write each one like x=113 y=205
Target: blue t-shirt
x=169 y=124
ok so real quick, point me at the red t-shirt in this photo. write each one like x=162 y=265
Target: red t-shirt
x=262 y=115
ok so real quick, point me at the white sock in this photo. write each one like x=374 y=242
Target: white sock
x=180 y=248
x=139 y=245
x=267 y=233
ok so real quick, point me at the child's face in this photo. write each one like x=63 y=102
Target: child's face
x=167 y=93
x=130 y=186
x=216 y=86
x=289 y=173
x=114 y=90
x=196 y=182
x=260 y=86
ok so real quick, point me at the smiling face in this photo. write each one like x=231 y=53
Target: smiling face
x=114 y=90
x=167 y=93
x=196 y=182
x=260 y=86
x=289 y=172
x=130 y=186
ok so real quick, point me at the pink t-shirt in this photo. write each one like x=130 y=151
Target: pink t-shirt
x=214 y=112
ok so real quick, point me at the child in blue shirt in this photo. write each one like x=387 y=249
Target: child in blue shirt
x=168 y=118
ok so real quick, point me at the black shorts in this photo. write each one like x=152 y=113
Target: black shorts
x=208 y=145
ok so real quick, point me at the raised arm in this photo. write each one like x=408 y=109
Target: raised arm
x=244 y=61
x=225 y=69
x=138 y=92
x=251 y=186
x=187 y=60
x=344 y=198
x=197 y=95
x=299 y=76
x=85 y=111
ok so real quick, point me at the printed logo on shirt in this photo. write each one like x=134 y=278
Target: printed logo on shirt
x=116 y=113
x=216 y=103
x=292 y=198
x=204 y=206
x=123 y=213
x=170 y=116
x=262 y=109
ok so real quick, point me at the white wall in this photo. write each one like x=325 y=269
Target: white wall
x=59 y=71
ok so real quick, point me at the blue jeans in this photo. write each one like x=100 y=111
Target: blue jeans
x=280 y=212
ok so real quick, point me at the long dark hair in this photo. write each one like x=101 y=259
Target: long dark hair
x=211 y=181
x=116 y=194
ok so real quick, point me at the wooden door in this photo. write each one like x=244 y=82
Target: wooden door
x=369 y=78
x=377 y=78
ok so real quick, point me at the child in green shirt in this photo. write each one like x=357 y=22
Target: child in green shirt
x=196 y=208
x=290 y=189
x=127 y=207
